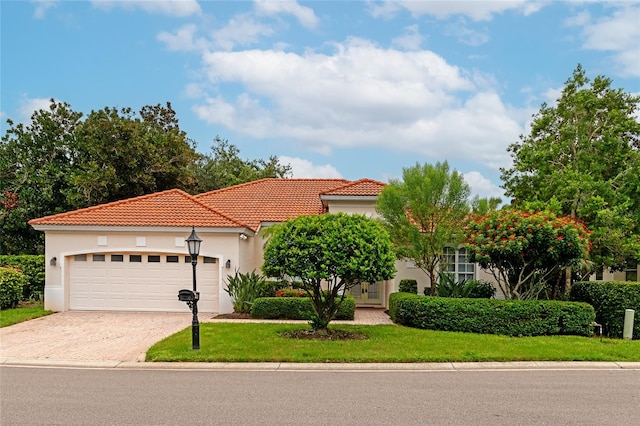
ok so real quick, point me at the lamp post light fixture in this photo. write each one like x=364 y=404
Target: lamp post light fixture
x=192 y=297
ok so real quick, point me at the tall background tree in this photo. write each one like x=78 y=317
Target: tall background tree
x=328 y=255
x=223 y=167
x=63 y=161
x=424 y=213
x=584 y=153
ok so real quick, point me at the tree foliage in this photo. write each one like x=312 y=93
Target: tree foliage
x=424 y=213
x=63 y=161
x=522 y=250
x=584 y=153
x=224 y=167
x=328 y=255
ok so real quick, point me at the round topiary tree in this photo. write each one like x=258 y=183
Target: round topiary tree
x=328 y=255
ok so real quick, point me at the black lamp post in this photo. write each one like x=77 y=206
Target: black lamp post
x=192 y=297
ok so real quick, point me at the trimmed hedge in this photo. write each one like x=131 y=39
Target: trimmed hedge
x=296 y=308
x=491 y=316
x=610 y=299
x=408 y=286
x=32 y=266
x=12 y=283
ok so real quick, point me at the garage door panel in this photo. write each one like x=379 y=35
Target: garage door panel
x=139 y=286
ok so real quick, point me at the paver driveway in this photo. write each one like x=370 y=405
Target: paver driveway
x=96 y=336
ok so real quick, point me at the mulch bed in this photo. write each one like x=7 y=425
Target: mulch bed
x=324 y=335
x=305 y=334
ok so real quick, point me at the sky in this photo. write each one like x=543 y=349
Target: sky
x=347 y=89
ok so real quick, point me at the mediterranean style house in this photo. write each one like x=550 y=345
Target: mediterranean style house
x=131 y=255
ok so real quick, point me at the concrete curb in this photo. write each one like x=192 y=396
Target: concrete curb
x=344 y=367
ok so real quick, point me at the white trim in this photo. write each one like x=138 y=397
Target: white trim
x=163 y=229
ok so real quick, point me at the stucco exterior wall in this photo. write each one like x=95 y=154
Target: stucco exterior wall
x=62 y=244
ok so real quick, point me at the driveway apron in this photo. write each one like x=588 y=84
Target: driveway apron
x=97 y=336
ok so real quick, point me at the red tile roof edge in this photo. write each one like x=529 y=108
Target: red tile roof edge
x=352 y=184
x=45 y=219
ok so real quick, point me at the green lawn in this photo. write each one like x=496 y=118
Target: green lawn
x=249 y=342
x=14 y=316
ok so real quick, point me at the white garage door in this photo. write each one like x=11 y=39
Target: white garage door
x=139 y=282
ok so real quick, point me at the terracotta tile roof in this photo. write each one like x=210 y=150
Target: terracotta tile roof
x=359 y=188
x=240 y=206
x=271 y=200
x=169 y=208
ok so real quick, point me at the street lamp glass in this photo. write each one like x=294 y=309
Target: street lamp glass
x=193 y=242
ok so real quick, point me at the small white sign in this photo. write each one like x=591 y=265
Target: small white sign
x=102 y=240
x=141 y=241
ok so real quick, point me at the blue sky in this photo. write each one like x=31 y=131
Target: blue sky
x=333 y=88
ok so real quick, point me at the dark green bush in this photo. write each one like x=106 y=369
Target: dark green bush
x=12 y=283
x=480 y=289
x=32 y=266
x=491 y=316
x=268 y=288
x=408 y=286
x=610 y=299
x=296 y=308
x=474 y=289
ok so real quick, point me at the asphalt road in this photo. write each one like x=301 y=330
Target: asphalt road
x=68 y=396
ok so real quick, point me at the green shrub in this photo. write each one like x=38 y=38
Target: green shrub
x=296 y=308
x=427 y=291
x=243 y=290
x=12 y=282
x=610 y=299
x=33 y=267
x=491 y=316
x=408 y=286
x=268 y=288
x=480 y=289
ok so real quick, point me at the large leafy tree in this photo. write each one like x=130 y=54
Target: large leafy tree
x=223 y=167
x=584 y=153
x=328 y=255
x=121 y=155
x=35 y=162
x=523 y=250
x=424 y=213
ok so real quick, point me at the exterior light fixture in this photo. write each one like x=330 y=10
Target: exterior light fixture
x=243 y=236
x=228 y=264
x=189 y=296
x=53 y=261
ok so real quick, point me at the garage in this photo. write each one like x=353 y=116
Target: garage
x=139 y=282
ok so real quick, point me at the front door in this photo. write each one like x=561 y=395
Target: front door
x=367 y=293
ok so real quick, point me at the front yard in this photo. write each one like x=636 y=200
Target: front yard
x=25 y=312
x=250 y=342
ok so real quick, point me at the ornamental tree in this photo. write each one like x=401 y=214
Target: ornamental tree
x=522 y=250
x=328 y=255
x=424 y=213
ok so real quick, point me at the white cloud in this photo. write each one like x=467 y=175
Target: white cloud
x=618 y=33
x=42 y=6
x=477 y=10
x=467 y=35
x=483 y=187
x=177 y=8
x=362 y=95
x=183 y=39
x=301 y=168
x=410 y=40
x=240 y=30
x=303 y=14
x=30 y=105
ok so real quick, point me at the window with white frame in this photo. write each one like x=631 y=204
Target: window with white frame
x=457 y=262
